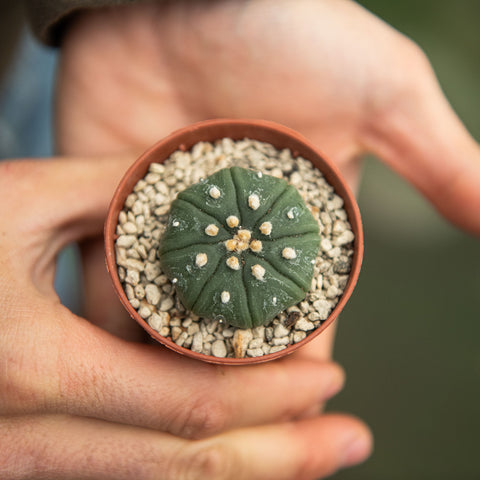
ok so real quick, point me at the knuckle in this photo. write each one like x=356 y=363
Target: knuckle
x=398 y=86
x=212 y=461
x=24 y=388
x=203 y=417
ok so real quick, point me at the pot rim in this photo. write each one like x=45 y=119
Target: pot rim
x=210 y=130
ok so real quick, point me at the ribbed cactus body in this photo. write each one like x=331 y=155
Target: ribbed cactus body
x=240 y=246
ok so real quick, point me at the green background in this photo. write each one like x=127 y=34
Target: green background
x=409 y=338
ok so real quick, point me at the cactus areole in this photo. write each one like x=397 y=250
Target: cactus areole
x=240 y=246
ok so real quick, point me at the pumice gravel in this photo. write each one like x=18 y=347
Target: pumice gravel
x=144 y=219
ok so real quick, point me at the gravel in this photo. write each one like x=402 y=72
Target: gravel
x=143 y=220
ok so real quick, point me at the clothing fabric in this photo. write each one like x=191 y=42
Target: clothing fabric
x=49 y=18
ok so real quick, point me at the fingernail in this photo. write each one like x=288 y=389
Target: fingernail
x=357 y=451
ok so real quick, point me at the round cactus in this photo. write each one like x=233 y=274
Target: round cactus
x=240 y=246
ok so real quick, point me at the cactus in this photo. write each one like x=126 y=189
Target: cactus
x=240 y=246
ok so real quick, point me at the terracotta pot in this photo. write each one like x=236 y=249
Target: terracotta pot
x=211 y=130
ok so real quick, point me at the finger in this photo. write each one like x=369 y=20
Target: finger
x=48 y=204
x=56 y=202
x=305 y=450
x=415 y=130
x=62 y=447
x=100 y=376
x=82 y=448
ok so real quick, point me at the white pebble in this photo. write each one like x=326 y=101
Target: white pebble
x=296 y=178
x=241 y=339
x=132 y=277
x=139 y=292
x=197 y=342
x=160 y=280
x=256 y=343
x=277 y=348
x=304 y=325
x=152 y=178
x=253 y=201
x=298 y=336
x=152 y=271
x=134 y=264
x=152 y=294
x=255 y=352
x=335 y=203
x=157 y=168
x=129 y=291
x=166 y=304
x=325 y=244
x=135 y=303
x=129 y=227
x=346 y=237
x=228 y=332
x=193 y=328
x=144 y=312
x=334 y=252
x=280 y=331
x=181 y=339
x=281 y=341
x=126 y=241
x=159 y=320
x=266 y=348
x=219 y=349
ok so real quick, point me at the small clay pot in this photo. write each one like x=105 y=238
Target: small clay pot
x=209 y=131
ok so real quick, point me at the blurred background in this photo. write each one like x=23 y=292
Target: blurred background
x=410 y=336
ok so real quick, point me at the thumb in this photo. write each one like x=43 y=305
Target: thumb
x=418 y=134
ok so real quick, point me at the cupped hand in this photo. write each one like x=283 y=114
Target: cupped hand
x=329 y=69
x=78 y=402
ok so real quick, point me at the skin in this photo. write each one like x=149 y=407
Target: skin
x=84 y=398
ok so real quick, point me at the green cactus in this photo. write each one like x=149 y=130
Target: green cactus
x=240 y=246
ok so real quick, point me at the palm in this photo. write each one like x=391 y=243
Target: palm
x=153 y=69
x=330 y=70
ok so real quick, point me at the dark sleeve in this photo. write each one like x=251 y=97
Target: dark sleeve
x=49 y=18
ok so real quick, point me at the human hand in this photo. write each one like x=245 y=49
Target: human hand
x=330 y=70
x=78 y=402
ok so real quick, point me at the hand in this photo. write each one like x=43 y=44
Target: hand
x=331 y=70
x=78 y=402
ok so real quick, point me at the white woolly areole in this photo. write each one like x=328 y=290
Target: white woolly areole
x=258 y=272
x=266 y=228
x=233 y=263
x=214 y=192
x=201 y=259
x=232 y=221
x=253 y=201
x=289 y=253
x=225 y=296
x=211 y=230
x=256 y=246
